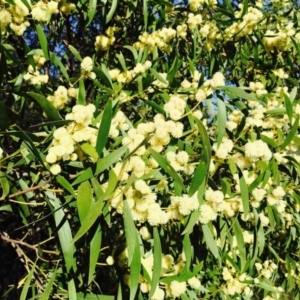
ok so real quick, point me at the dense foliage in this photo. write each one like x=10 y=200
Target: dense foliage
x=150 y=149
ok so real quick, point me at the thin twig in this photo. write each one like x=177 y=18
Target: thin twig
x=29 y=189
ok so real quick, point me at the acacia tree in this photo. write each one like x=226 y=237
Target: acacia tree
x=149 y=149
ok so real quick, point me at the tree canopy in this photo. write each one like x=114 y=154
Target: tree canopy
x=150 y=149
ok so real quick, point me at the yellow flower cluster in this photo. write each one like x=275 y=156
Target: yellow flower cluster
x=62 y=96
x=279 y=40
x=42 y=11
x=34 y=76
x=16 y=15
x=128 y=75
x=103 y=42
x=87 y=66
x=247 y=24
x=159 y=38
x=65 y=138
x=194 y=5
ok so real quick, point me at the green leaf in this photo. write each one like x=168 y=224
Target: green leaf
x=75 y=52
x=240 y=242
x=236 y=92
x=84 y=200
x=157 y=264
x=90 y=219
x=267 y=287
x=130 y=231
x=50 y=111
x=158 y=76
x=145 y=14
x=209 y=240
x=167 y=167
x=104 y=128
x=276 y=111
x=102 y=164
x=291 y=134
x=188 y=251
x=81 y=93
x=4 y=185
x=288 y=106
x=95 y=246
x=156 y=107
x=103 y=74
x=64 y=235
x=261 y=239
x=176 y=64
x=293 y=94
x=244 y=195
x=88 y=149
x=47 y=291
x=193 y=219
x=65 y=184
x=111 y=11
x=91 y=11
x=222 y=119
x=25 y=137
x=202 y=169
x=96 y=209
x=135 y=269
x=27 y=284
x=43 y=40
x=57 y=62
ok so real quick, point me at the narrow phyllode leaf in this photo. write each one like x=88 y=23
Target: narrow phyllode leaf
x=130 y=231
x=102 y=164
x=222 y=119
x=240 y=242
x=261 y=240
x=64 y=234
x=135 y=269
x=75 y=52
x=237 y=92
x=202 y=169
x=188 y=251
x=145 y=13
x=88 y=149
x=57 y=62
x=104 y=128
x=47 y=291
x=96 y=209
x=95 y=246
x=4 y=183
x=43 y=40
x=81 y=93
x=157 y=264
x=288 y=105
x=48 y=108
x=84 y=200
x=26 y=137
x=167 y=167
x=111 y=11
x=291 y=134
x=193 y=219
x=209 y=240
x=27 y=283
x=65 y=184
x=158 y=76
x=91 y=11
x=244 y=195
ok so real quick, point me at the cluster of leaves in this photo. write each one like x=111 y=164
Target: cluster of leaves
x=59 y=230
